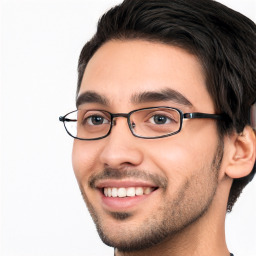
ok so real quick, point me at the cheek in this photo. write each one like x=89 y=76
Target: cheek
x=83 y=159
x=172 y=162
x=181 y=156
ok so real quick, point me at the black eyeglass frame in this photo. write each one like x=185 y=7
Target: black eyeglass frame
x=127 y=116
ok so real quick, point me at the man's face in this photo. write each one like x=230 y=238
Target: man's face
x=175 y=177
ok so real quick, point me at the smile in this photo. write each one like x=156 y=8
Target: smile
x=123 y=195
x=127 y=192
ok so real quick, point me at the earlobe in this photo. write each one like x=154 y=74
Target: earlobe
x=242 y=153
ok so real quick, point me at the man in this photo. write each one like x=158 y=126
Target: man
x=164 y=140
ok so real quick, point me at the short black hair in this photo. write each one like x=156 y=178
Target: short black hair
x=223 y=40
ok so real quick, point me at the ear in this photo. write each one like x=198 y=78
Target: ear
x=241 y=153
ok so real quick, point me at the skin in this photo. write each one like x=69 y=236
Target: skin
x=191 y=202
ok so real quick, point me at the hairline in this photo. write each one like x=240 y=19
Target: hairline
x=146 y=38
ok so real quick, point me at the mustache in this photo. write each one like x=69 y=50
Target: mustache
x=119 y=174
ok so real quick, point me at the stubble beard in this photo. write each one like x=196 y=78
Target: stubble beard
x=173 y=217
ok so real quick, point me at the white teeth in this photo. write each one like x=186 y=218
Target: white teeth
x=124 y=192
x=139 y=191
x=130 y=192
x=109 y=191
x=114 y=192
x=121 y=192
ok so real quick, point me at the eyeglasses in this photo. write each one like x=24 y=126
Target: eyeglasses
x=145 y=123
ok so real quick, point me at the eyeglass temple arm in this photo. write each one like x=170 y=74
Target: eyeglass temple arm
x=64 y=119
x=203 y=115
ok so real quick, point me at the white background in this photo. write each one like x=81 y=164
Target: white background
x=42 y=212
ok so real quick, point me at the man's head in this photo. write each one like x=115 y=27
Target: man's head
x=151 y=54
x=223 y=41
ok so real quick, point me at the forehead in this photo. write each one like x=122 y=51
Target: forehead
x=121 y=69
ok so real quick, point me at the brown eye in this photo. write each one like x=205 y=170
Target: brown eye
x=96 y=120
x=158 y=119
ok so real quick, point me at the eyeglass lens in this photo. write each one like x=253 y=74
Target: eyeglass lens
x=148 y=123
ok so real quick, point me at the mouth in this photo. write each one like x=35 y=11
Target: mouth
x=122 y=192
x=125 y=195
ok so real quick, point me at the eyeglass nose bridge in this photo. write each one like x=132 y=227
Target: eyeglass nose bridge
x=113 y=116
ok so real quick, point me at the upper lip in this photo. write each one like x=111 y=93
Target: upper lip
x=112 y=183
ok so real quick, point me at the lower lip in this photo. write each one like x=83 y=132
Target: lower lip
x=123 y=203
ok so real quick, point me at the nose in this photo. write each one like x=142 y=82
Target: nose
x=121 y=148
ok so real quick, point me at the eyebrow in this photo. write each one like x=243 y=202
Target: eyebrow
x=142 y=97
x=163 y=95
x=91 y=97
